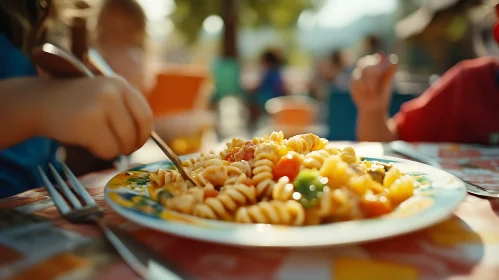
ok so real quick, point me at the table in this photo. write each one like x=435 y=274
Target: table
x=35 y=243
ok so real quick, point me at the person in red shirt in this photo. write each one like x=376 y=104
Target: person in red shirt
x=462 y=107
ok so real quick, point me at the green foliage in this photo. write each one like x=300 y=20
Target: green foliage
x=189 y=15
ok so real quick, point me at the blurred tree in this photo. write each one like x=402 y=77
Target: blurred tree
x=189 y=16
x=281 y=14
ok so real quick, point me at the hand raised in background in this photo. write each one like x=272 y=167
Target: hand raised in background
x=371 y=82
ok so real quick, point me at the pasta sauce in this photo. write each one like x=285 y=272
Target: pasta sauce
x=247 y=152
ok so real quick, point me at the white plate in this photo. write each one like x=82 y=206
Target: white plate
x=433 y=202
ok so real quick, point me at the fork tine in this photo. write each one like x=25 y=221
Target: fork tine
x=54 y=194
x=64 y=188
x=77 y=185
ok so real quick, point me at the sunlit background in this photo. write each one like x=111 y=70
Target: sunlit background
x=201 y=66
x=316 y=31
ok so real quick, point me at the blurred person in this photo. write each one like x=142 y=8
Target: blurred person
x=372 y=44
x=121 y=39
x=333 y=78
x=270 y=84
x=341 y=71
x=438 y=35
x=320 y=80
x=104 y=115
x=331 y=73
x=460 y=107
x=319 y=86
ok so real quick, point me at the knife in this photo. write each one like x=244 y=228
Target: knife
x=403 y=148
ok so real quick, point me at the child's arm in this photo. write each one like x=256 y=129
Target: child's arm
x=371 y=92
x=104 y=115
x=375 y=127
x=18 y=110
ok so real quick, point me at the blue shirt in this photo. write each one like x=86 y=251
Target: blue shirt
x=271 y=86
x=18 y=163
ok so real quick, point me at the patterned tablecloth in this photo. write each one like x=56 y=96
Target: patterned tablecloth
x=35 y=243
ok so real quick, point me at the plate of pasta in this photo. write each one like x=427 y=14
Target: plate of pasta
x=277 y=192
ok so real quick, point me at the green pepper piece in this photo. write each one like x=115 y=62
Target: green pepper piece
x=163 y=195
x=139 y=180
x=309 y=184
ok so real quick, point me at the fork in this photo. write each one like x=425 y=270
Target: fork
x=81 y=208
x=61 y=63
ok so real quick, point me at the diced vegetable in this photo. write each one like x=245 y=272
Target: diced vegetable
x=288 y=165
x=308 y=185
x=163 y=195
x=247 y=153
x=390 y=177
x=141 y=181
x=283 y=150
x=337 y=171
x=402 y=189
x=361 y=184
x=377 y=172
x=348 y=155
x=375 y=205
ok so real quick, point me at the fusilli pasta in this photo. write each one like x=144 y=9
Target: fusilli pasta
x=305 y=143
x=161 y=177
x=272 y=212
x=315 y=159
x=265 y=157
x=283 y=190
x=226 y=203
x=296 y=181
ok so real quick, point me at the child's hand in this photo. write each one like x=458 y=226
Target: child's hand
x=104 y=115
x=371 y=82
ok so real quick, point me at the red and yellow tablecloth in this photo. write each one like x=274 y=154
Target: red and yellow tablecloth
x=36 y=243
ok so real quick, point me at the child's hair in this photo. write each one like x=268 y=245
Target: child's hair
x=337 y=58
x=273 y=58
x=22 y=21
x=129 y=7
x=374 y=43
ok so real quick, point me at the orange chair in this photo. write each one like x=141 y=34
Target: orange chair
x=176 y=90
x=294 y=114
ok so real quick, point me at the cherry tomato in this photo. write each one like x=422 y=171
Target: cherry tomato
x=210 y=193
x=289 y=166
x=375 y=205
